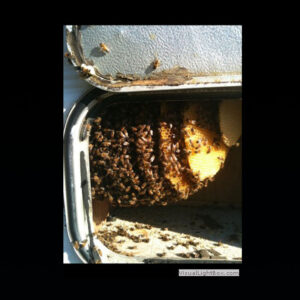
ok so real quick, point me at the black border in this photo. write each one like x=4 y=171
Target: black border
x=32 y=162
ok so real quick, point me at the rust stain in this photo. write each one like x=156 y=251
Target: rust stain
x=174 y=76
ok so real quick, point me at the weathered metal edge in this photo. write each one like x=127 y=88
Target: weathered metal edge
x=175 y=78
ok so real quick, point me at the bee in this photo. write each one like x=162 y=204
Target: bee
x=106 y=144
x=122 y=186
x=174 y=157
x=140 y=141
x=144 y=139
x=98 y=120
x=83 y=243
x=67 y=55
x=136 y=187
x=208 y=150
x=104 y=155
x=131 y=247
x=149 y=150
x=142 y=127
x=76 y=245
x=85 y=72
x=125 y=133
x=116 y=159
x=122 y=135
x=109 y=172
x=104 y=48
x=97 y=134
x=177 y=170
x=97 y=179
x=156 y=63
x=101 y=162
x=132 y=202
x=88 y=127
x=161 y=254
x=170 y=247
x=143 y=192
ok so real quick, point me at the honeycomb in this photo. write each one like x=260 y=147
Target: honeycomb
x=145 y=154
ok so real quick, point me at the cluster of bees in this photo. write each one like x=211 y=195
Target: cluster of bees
x=196 y=253
x=108 y=237
x=137 y=154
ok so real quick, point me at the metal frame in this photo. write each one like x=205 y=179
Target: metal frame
x=171 y=77
x=77 y=190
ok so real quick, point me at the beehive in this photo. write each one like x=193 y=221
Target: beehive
x=154 y=154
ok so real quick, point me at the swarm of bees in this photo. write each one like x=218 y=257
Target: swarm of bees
x=153 y=153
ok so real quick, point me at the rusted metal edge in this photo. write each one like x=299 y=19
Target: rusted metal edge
x=175 y=78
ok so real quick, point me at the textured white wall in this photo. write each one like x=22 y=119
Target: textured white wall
x=205 y=49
